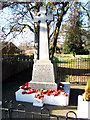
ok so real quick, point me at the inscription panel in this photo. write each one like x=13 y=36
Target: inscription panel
x=43 y=73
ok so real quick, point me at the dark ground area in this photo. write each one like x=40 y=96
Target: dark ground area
x=12 y=84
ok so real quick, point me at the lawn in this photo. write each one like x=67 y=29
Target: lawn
x=59 y=57
x=68 y=61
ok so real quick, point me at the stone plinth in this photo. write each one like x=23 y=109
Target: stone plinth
x=59 y=100
x=66 y=87
x=43 y=85
x=43 y=76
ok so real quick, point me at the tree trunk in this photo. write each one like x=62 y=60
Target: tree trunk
x=37 y=28
x=57 y=27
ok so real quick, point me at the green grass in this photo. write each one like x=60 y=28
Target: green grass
x=65 y=57
x=67 y=61
x=82 y=56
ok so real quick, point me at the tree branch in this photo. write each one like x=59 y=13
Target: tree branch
x=29 y=10
x=84 y=10
x=51 y=34
x=86 y=3
x=7 y=4
x=27 y=26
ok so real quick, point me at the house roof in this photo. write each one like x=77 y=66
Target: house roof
x=9 y=48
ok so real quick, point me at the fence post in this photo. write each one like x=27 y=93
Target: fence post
x=10 y=103
x=60 y=70
x=32 y=116
x=66 y=68
x=19 y=105
x=71 y=70
x=78 y=79
x=57 y=118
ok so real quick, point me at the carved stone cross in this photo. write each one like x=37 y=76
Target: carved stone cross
x=43 y=72
x=43 y=39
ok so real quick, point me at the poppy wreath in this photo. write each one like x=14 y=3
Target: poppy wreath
x=28 y=90
x=54 y=92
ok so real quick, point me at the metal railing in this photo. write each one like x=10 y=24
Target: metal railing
x=72 y=70
x=44 y=114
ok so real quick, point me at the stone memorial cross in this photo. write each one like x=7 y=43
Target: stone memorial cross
x=43 y=39
x=43 y=72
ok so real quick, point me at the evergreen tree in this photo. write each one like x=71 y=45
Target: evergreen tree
x=74 y=42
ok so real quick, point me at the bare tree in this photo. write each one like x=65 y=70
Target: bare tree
x=23 y=15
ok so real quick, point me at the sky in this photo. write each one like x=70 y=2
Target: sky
x=27 y=36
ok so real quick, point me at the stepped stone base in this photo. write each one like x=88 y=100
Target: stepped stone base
x=43 y=85
x=43 y=75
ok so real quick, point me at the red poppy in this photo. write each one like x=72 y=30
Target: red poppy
x=42 y=95
x=36 y=96
x=29 y=92
x=59 y=91
x=48 y=94
x=25 y=88
x=39 y=96
x=56 y=93
x=22 y=86
x=51 y=91
x=35 y=90
x=62 y=90
x=41 y=92
x=24 y=92
x=29 y=89
x=66 y=95
x=26 y=84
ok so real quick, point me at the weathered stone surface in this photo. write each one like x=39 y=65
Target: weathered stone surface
x=43 y=72
x=43 y=85
x=43 y=75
